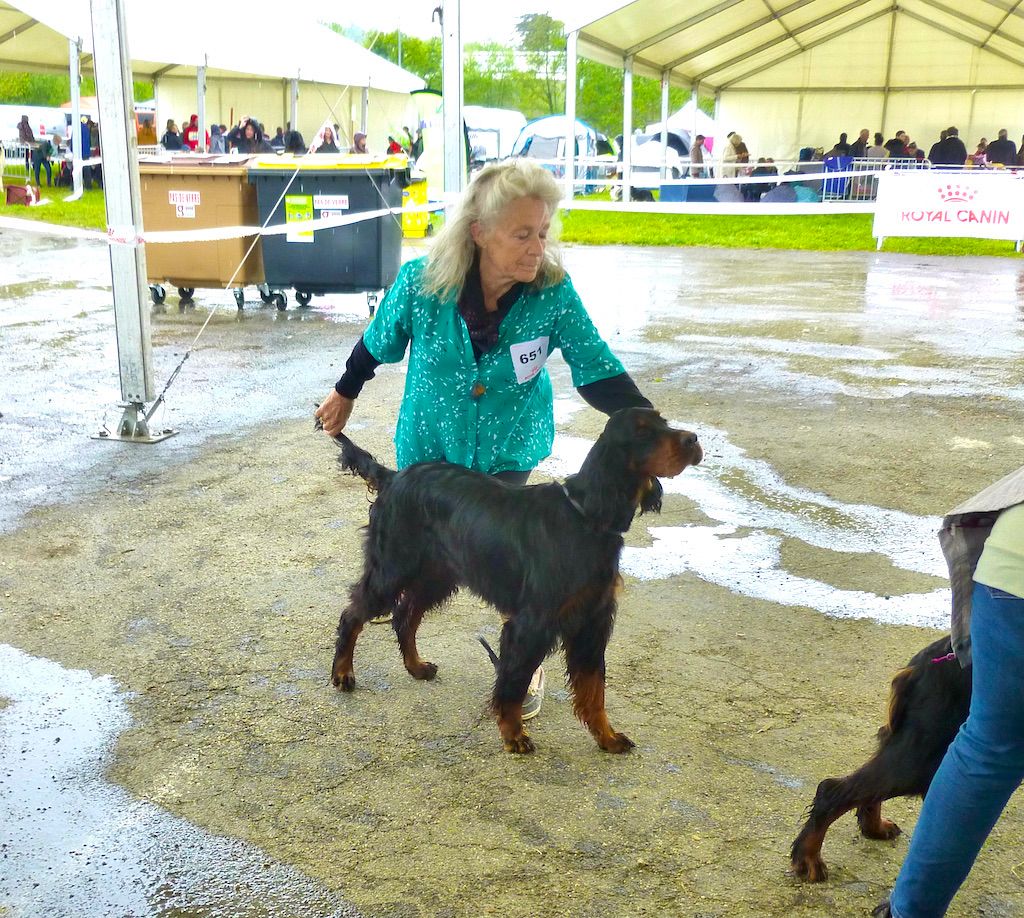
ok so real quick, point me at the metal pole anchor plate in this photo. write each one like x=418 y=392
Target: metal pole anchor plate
x=134 y=428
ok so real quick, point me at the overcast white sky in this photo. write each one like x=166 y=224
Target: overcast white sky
x=482 y=20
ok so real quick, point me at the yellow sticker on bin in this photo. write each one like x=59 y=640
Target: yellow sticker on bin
x=298 y=208
x=321 y=162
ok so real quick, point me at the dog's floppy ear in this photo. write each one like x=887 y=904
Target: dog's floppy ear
x=609 y=507
x=606 y=495
x=650 y=496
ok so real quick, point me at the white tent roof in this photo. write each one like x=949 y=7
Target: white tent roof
x=797 y=72
x=173 y=39
x=482 y=118
x=822 y=44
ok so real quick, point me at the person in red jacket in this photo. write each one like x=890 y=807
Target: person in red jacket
x=190 y=136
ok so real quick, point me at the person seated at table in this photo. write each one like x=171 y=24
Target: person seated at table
x=753 y=191
x=842 y=147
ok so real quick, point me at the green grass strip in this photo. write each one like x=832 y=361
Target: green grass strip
x=825 y=233
x=86 y=213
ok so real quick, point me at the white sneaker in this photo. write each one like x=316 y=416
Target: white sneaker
x=534 y=695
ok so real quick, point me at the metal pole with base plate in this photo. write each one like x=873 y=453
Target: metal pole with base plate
x=111 y=63
x=451 y=96
x=75 y=135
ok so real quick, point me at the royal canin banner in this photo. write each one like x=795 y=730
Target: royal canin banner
x=936 y=202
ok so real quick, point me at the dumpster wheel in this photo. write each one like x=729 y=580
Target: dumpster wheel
x=371 y=302
x=158 y=293
x=280 y=301
x=239 y=293
x=302 y=297
x=186 y=294
x=265 y=294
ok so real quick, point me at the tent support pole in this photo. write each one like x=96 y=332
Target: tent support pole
x=451 y=95
x=111 y=62
x=799 y=123
x=627 y=127
x=293 y=104
x=201 y=106
x=75 y=134
x=718 y=130
x=364 y=109
x=695 y=100
x=664 y=123
x=970 y=114
x=570 y=115
x=888 y=69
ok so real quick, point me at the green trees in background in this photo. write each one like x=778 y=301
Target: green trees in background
x=52 y=90
x=542 y=42
x=531 y=76
x=419 y=56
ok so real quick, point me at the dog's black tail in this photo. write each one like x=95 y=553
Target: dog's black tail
x=359 y=462
x=490 y=653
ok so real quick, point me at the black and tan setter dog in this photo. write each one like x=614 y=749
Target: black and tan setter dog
x=546 y=556
x=929 y=701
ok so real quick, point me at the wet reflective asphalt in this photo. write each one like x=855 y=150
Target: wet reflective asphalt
x=808 y=326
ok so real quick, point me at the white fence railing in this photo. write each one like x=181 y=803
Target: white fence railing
x=836 y=179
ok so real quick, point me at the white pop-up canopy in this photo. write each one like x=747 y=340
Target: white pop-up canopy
x=797 y=73
x=492 y=130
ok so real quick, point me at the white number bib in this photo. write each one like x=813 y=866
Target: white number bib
x=528 y=358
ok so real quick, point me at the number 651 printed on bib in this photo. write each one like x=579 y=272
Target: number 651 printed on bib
x=528 y=357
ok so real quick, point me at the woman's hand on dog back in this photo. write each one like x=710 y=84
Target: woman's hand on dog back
x=334 y=413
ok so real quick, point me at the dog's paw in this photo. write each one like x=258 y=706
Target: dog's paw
x=883 y=830
x=345 y=682
x=616 y=742
x=423 y=670
x=810 y=868
x=520 y=744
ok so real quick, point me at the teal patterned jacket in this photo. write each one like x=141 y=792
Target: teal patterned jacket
x=494 y=415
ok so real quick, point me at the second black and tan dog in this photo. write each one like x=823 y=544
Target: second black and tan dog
x=929 y=701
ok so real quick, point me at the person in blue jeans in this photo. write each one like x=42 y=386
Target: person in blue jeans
x=983 y=541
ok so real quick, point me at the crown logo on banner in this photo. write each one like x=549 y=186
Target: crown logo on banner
x=956 y=192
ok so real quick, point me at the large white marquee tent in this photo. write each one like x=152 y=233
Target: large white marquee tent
x=260 y=61
x=793 y=74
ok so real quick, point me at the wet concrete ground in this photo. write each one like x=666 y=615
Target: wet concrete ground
x=170 y=745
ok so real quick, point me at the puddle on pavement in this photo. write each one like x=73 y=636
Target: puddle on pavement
x=73 y=844
x=755 y=511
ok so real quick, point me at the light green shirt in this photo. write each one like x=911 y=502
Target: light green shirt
x=1002 y=562
x=495 y=414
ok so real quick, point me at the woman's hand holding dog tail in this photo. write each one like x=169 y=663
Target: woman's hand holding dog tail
x=333 y=414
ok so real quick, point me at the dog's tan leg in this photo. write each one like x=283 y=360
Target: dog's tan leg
x=833 y=798
x=510 y=725
x=873 y=825
x=806 y=861
x=409 y=613
x=588 y=704
x=584 y=657
x=344 y=649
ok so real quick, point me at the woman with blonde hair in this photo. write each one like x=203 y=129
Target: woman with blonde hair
x=479 y=317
